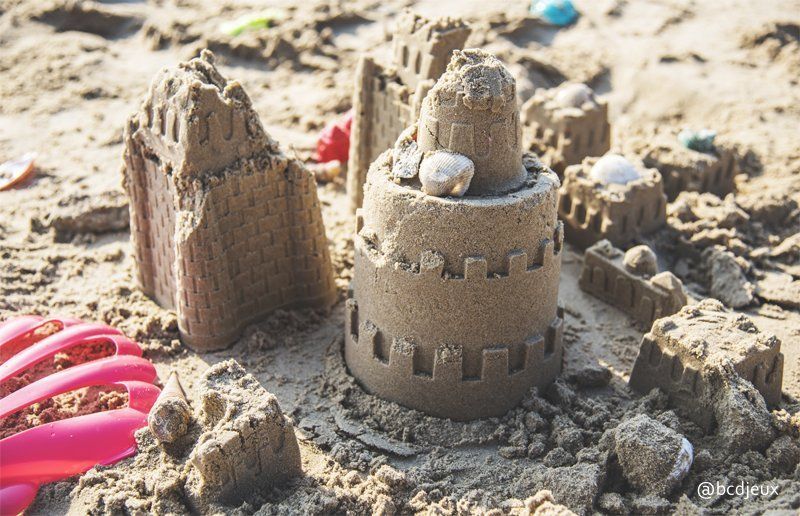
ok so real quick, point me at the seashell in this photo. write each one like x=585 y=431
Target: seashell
x=574 y=95
x=16 y=171
x=444 y=173
x=614 y=169
x=170 y=415
x=640 y=260
x=683 y=462
x=406 y=155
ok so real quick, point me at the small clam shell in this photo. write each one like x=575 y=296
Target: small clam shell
x=574 y=95
x=170 y=415
x=614 y=169
x=444 y=173
x=683 y=462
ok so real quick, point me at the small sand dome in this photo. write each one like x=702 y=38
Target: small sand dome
x=641 y=260
x=574 y=95
x=614 y=169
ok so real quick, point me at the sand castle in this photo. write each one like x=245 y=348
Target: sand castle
x=630 y=281
x=454 y=299
x=566 y=124
x=687 y=170
x=387 y=99
x=247 y=445
x=681 y=352
x=611 y=198
x=225 y=227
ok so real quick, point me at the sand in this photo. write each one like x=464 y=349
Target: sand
x=73 y=74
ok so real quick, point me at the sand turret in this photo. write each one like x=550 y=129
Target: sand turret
x=472 y=110
x=225 y=227
x=454 y=300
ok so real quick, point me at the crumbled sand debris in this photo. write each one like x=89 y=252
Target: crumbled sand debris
x=654 y=458
x=81 y=215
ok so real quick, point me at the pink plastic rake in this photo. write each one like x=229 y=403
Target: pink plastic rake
x=61 y=449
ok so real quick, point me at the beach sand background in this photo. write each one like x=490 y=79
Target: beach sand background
x=72 y=72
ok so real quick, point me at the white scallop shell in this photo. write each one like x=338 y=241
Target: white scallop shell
x=444 y=173
x=614 y=169
x=574 y=95
x=683 y=462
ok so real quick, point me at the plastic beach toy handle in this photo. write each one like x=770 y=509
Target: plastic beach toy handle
x=16 y=497
x=63 y=340
x=64 y=448
x=19 y=332
x=106 y=371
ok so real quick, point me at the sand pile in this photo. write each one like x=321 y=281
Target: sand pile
x=238 y=443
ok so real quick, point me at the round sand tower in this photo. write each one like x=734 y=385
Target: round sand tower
x=454 y=299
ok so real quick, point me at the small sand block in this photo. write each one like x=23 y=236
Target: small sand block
x=248 y=444
x=654 y=458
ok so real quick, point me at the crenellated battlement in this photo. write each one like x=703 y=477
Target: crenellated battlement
x=479 y=139
x=504 y=372
x=592 y=211
x=432 y=264
x=670 y=367
x=422 y=47
x=645 y=297
x=192 y=112
x=564 y=127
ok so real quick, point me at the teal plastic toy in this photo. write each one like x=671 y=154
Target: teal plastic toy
x=556 y=12
x=700 y=141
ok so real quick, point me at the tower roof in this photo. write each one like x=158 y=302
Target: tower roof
x=199 y=121
x=479 y=78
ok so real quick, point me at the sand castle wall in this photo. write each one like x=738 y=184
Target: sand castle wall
x=564 y=135
x=593 y=211
x=387 y=98
x=605 y=276
x=225 y=228
x=686 y=170
x=454 y=307
x=681 y=351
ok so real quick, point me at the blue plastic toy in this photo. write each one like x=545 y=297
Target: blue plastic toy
x=700 y=141
x=556 y=12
